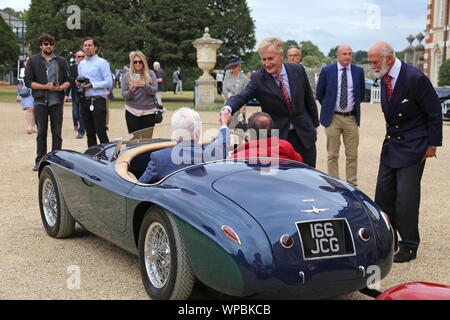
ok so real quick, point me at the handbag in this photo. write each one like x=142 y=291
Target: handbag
x=159 y=111
x=22 y=90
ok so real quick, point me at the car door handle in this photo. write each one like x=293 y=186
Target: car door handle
x=87 y=182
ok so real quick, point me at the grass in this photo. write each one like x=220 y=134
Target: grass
x=170 y=100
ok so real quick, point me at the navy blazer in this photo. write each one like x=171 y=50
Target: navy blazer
x=184 y=154
x=327 y=89
x=413 y=118
x=304 y=116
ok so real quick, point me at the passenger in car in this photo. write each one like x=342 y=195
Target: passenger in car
x=264 y=142
x=186 y=129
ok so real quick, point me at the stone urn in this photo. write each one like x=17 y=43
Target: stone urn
x=206 y=61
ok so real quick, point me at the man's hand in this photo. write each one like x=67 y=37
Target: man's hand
x=430 y=152
x=53 y=86
x=66 y=99
x=225 y=118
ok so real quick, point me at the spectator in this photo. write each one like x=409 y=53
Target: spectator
x=234 y=83
x=47 y=74
x=139 y=86
x=177 y=81
x=219 y=82
x=73 y=93
x=117 y=78
x=93 y=104
x=161 y=81
x=295 y=56
x=28 y=104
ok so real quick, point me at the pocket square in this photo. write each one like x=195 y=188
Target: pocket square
x=405 y=101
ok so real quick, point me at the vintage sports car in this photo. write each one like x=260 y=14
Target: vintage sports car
x=244 y=227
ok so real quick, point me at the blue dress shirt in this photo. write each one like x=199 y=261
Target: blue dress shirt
x=99 y=74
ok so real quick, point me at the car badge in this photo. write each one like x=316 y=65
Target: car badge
x=314 y=210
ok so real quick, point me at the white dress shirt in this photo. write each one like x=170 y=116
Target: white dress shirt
x=351 y=98
x=395 y=72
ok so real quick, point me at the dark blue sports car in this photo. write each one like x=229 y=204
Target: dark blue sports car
x=244 y=227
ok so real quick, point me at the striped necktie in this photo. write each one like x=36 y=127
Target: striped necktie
x=285 y=93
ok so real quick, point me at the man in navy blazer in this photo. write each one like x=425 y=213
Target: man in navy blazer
x=288 y=101
x=186 y=128
x=413 y=131
x=340 y=90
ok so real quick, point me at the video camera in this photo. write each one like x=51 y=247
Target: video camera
x=83 y=81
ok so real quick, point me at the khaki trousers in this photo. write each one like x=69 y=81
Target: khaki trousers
x=347 y=127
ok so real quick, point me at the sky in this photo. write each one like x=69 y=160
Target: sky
x=326 y=23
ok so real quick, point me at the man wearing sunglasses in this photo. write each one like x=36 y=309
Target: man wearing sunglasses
x=93 y=103
x=48 y=75
x=72 y=92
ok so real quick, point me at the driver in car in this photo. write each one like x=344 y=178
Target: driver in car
x=186 y=129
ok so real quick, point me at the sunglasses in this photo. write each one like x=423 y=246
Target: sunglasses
x=46 y=44
x=138 y=61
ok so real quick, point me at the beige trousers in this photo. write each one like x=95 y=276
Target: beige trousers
x=347 y=127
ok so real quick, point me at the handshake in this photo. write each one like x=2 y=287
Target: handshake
x=225 y=117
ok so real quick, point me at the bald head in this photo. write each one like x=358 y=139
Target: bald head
x=344 y=55
x=381 y=57
x=261 y=123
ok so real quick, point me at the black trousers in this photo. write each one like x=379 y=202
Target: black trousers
x=137 y=123
x=309 y=155
x=95 y=120
x=42 y=114
x=398 y=194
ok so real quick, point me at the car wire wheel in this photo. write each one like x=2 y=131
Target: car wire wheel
x=157 y=255
x=163 y=257
x=49 y=202
x=56 y=218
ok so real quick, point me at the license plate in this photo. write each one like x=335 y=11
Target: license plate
x=323 y=239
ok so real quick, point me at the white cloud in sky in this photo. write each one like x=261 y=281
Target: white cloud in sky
x=328 y=23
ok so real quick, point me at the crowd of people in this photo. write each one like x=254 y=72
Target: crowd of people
x=287 y=93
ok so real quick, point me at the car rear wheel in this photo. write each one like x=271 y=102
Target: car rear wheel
x=57 y=221
x=165 y=268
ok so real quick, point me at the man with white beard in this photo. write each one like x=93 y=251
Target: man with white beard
x=414 y=129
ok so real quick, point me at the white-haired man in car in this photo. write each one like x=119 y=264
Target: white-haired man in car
x=186 y=130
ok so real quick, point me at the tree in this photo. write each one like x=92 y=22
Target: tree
x=310 y=49
x=9 y=50
x=163 y=29
x=333 y=52
x=311 y=61
x=444 y=74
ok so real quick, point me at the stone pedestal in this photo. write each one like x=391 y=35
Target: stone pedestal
x=206 y=93
x=206 y=60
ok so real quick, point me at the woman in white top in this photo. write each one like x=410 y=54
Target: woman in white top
x=139 y=87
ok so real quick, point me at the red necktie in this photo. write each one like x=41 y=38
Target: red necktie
x=285 y=93
x=389 y=90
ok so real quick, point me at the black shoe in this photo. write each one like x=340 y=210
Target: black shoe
x=405 y=255
x=80 y=136
x=36 y=167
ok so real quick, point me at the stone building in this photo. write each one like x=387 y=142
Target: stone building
x=437 y=40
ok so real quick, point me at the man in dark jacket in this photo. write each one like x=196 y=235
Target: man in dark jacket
x=48 y=75
x=72 y=92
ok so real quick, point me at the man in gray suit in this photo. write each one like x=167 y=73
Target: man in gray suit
x=295 y=56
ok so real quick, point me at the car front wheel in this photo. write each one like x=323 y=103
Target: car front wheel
x=165 y=268
x=57 y=221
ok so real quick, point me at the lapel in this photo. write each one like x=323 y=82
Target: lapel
x=354 y=79
x=273 y=87
x=294 y=85
x=334 y=79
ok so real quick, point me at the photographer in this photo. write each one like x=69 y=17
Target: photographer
x=98 y=79
x=48 y=75
x=139 y=86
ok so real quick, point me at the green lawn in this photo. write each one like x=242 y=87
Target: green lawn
x=170 y=101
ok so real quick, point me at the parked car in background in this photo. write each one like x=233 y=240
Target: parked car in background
x=444 y=97
x=369 y=84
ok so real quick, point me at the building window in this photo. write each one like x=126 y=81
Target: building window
x=438 y=13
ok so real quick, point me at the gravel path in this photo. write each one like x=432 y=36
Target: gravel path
x=35 y=266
